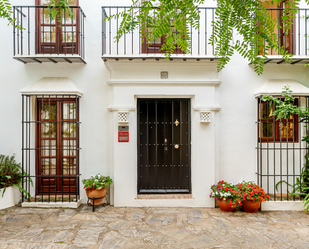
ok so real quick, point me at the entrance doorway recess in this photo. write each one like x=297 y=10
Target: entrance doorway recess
x=164 y=146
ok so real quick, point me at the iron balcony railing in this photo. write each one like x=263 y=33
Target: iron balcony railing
x=131 y=44
x=296 y=40
x=39 y=38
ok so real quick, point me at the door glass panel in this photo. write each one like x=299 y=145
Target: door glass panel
x=67 y=34
x=69 y=130
x=48 y=130
x=69 y=166
x=157 y=40
x=48 y=148
x=45 y=17
x=67 y=18
x=69 y=111
x=69 y=147
x=45 y=2
x=48 y=111
x=48 y=33
x=48 y=166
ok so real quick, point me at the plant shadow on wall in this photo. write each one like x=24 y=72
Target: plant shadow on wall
x=284 y=109
x=11 y=174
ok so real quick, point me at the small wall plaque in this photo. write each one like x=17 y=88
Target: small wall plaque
x=164 y=75
x=123 y=134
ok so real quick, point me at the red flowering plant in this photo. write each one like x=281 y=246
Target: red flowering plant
x=97 y=182
x=227 y=192
x=252 y=192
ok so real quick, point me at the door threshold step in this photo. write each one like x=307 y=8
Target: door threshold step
x=52 y=204
x=158 y=196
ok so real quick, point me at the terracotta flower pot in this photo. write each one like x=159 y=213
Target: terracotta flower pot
x=93 y=193
x=251 y=206
x=225 y=207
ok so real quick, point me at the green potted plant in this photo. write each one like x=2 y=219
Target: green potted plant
x=227 y=195
x=10 y=181
x=252 y=196
x=95 y=187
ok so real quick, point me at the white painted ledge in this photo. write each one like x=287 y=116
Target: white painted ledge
x=52 y=204
x=206 y=108
x=165 y=82
x=282 y=206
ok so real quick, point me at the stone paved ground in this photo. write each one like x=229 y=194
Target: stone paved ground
x=110 y=227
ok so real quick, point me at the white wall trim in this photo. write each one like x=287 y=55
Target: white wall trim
x=121 y=108
x=165 y=82
x=206 y=108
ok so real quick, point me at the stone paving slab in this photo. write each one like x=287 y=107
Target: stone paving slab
x=110 y=227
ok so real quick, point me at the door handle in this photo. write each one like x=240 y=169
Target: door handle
x=176 y=146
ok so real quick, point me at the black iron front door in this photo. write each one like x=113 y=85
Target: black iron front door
x=164 y=146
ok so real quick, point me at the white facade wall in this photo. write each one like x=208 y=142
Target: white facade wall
x=222 y=149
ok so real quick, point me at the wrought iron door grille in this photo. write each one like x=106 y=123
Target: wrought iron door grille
x=281 y=154
x=164 y=149
x=50 y=147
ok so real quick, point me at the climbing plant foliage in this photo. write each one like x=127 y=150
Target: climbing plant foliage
x=245 y=26
x=6 y=10
x=57 y=8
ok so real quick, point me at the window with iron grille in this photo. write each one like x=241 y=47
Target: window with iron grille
x=273 y=130
x=50 y=127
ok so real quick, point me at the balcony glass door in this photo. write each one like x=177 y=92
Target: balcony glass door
x=55 y=36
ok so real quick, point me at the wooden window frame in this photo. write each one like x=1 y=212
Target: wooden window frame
x=60 y=182
x=276 y=126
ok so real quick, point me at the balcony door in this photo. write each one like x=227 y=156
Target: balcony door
x=55 y=36
x=287 y=40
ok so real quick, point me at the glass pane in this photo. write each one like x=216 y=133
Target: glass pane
x=48 y=33
x=49 y=166
x=48 y=130
x=267 y=130
x=69 y=130
x=48 y=111
x=267 y=110
x=286 y=130
x=67 y=34
x=67 y=18
x=69 y=110
x=154 y=41
x=48 y=147
x=45 y=17
x=69 y=166
x=69 y=147
x=45 y=2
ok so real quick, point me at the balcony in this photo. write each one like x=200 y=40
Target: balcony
x=39 y=39
x=131 y=47
x=295 y=42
